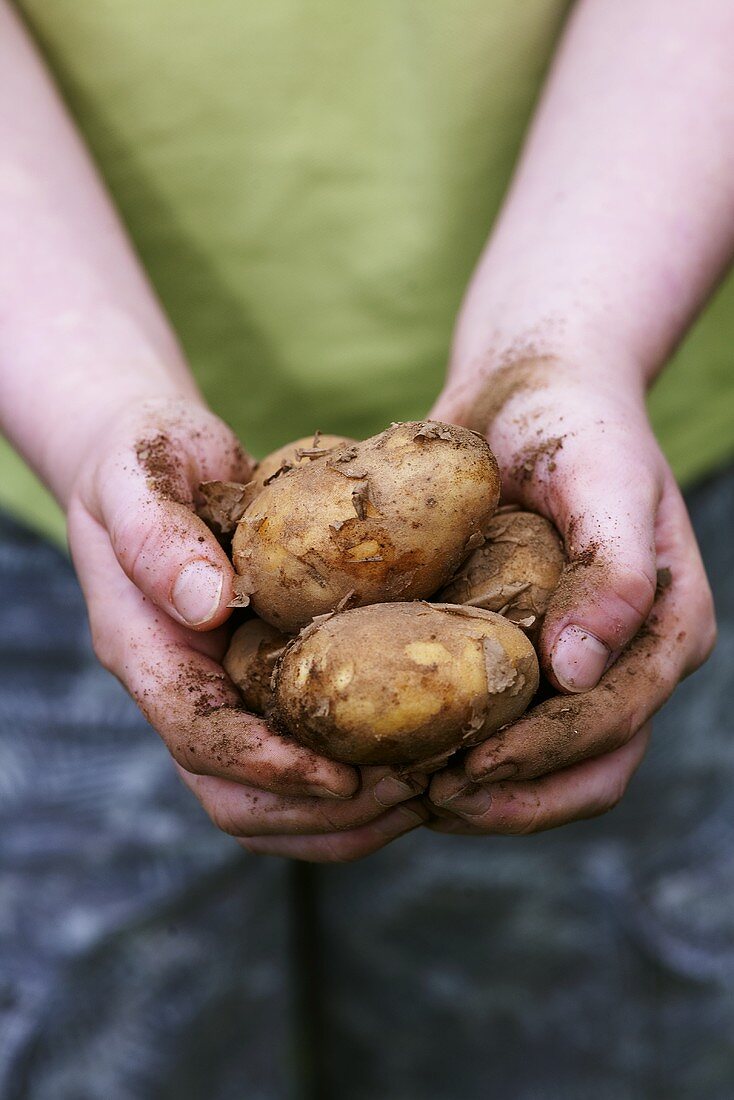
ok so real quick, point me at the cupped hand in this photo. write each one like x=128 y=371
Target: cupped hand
x=633 y=613
x=158 y=586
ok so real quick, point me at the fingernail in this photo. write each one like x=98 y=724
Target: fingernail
x=197 y=591
x=578 y=659
x=472 y=805
x=390 y=790
x=499 y=772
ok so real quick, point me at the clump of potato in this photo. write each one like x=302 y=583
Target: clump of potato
x=387 y=519
x=250 y=661
x=404 y=683
x=515 y=572
x=345 y=542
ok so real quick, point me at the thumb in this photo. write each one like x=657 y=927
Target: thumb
x=606 y=512
x=163 y=547
x=581 y=453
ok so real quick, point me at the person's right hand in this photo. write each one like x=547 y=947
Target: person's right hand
x=158 y=587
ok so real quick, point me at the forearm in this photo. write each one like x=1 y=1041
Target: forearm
x=620 y=219
x=81 y=332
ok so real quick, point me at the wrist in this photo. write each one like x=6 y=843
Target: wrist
x=478 y=393
x=542 y=310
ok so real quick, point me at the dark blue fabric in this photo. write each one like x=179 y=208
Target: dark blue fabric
x=142 y=954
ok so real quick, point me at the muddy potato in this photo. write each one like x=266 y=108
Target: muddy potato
x=387 y=519
x=221 y=504
x=299 y=453
x=403 y=683
x=515 y=572
x=250 y=660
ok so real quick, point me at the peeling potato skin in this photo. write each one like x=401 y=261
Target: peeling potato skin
x=403 y=683
x=250 y=660
x=291 y=455
x=515 y=572
x=388 y=519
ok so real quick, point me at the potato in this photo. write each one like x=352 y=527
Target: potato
x=515 y=572
x=300 y=453
x=250 y=660
x=221 y=504
x=403 y=683
x=387 y=519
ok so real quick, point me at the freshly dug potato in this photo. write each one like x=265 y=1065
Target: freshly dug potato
x=387 y=519
x=403 y=683
x=222 y=504
x=250 y=660
x=300 y=453
x=515 y=572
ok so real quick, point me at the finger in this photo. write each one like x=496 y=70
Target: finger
x=144 y=497
x=586 y=459
x=605 y=502
x=564 y=730
x=244 y=811
x=344 y=847
x=389 y=787
x=182 y=691
x=516 y=809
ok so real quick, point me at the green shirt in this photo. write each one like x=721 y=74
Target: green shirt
x=309 y=184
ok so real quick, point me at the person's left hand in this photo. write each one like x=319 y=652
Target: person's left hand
x=579 y=450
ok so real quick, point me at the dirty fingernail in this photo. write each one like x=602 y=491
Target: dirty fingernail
x=578 y=659
x=390 y=791
x=474 y=804
x=197 y=591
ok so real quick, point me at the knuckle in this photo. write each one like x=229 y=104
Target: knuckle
x=534 y=823
x=324 y=821
x=344 y=849
x=635 y=589
x=610 y=798
x=616 y=793
x=624 y=730
x=530 y=819
x=105 y=648
x=187 y=756
x=134 y=542
x=709 y=640
x=142 y=556
x=705 y=642
x=224 y=819
x=644 y=487
x=609 y=790
x=330 y=817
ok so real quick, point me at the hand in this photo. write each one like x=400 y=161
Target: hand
x=158 y=587
x=578 y=449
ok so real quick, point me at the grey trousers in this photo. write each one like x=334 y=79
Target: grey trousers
x=143 y=956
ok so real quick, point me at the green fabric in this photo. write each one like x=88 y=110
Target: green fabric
x=309 y=185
